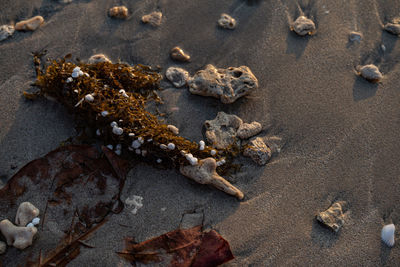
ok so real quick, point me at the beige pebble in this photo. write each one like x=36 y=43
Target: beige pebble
x=179 y=55
x=153 y=18
x=98 y=58
x=119 y=12
x=19 y=237
x=173 y=129
x=227 y=22
x=31 y=24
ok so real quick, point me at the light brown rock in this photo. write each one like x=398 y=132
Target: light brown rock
x=17 y=236
x=119 y=12
x=247 y=130
x=371 y=73
x=221 y=132
x=226 y=84
x=25 y=213
x=154 y=18
x=333 y=217
x=205 y=173
x=227 y=22
x=179 y=55
x=303 y=26
x=6 y=31
x=31 y=24
x=258 y=151
x=173 y=129
x=98 y=58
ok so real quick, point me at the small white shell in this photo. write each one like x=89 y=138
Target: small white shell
x=80 y=73
x=75 y=74
x=131 y=134
x=36 y=221
x=171 y=146
x=387 y=234
x=213 y=152
x=117 y=130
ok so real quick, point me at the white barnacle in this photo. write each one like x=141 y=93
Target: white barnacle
x=69 y=79
x=98 y=132
x=113 y=124
x=36 y=221
x=171 y=146
x=89 y=98
x=104 y=113
x=213 y=152
x=136 y=144
x=110 y=147
x=117 y=130
x=202 y=145
x=387 y=234
x=162 y=146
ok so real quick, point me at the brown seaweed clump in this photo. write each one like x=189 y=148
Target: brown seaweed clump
x=110 y=99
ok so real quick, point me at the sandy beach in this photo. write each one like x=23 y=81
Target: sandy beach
x=339 y=132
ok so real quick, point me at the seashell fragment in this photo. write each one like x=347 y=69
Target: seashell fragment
x=177 y=76
x=387 y=234
x=303 y=26
x=6 y=31
x=227 y=22
x=371 y=73
x=25 y=213
x=205 y=173
x=333 y=217
x=179 y=55
x=119 y=12
x=31 y=24
x=154 y=18
x=17 y=236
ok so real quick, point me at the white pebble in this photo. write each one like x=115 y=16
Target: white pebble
x=149 y=140
x=117 y=130
x=113 y=124
x=104 y=113
x=221 y=162
x=130 y=148
x=387 y=234
x=110 y=147
x=171 y=146
x=86 y=74
x=159 y=160
x=30 y=225
x=76 y=91
x=76 y=69
x=75 y=74
x=131 y=134
x=70 y=80
x=36 y=221
x=202 y=145
x=162 y=146
x=136 y=144
x=89 y=98
x=98 y=133
x=173 y=129
x=193 y=161
x=213 y=152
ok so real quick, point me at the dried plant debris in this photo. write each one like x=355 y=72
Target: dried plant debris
x=6 y=31
x=179 y=248
x=333 y=217
x=227 y=22
x=303 y=26
x=110 y=99
x=31 y=24
x=226 y=84
x=258 y=151
x=119 y=12
x=178 y=54
x=154 y=18
x=370 y=72
x=177 y=76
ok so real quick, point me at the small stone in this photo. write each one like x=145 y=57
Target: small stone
x=154 y=18
x=247 y=130
x=179 y=55
x=227 y=22
x=104 y=113
x=258 y=151
x=138 y=151
x=25 y=213
x=134 y=202
x=18 y=236
x=221 y=132
x=89 y=98
x=75 y=74
x=159 y=161
x=177 y=76
x=6 y=31
x=110 y=147
x=117 y=130
x=164 y=147
x=213 y=152
x=393 y=28
x=303 y=26
x=69 y=79
x=136 y=144
x=119 y=12
x=3 y=247
x=371 y=73
x=118 y=152
x=113 y=124
x=202 y=145
x=173 y=129
x=190 y=220
x=333 y=217
x=171 y=146
x=36 y=221
x=355 y=37
x=31 y=24
x=98 y=58
x=226 y=84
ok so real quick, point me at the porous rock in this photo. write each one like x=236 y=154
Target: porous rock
x=154 y=18
x=205 y=173
x=25 y=213
x=31 y=24
x=247 y=130
x=227 y=22
x=178 y=76
x=6 y=31
x=98 y=58
x=17 y=236
x=3 y=247
x=178 y=54
x=221 y=132
x=333 y=217
x=119 y=12
x=226 y=84
x=371 y=73
x=303 y=26
x=393 y=28
x=258 y=151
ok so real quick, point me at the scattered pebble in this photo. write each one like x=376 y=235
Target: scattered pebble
x=171 y=146
x=162 y=146
x=113 y=124
x=117 y=130
x=98 y=58
x=303 y=26
x=70 y=80
x=118 y=147
x=179 y=55
x=36 y=221
x=159 y=161
x=131 y=134
x=213 y=152
x=104 y=113
x=387 y=234
x=383 y=47
x=138 y=151
x=178 y=76
x=144 y=153
x=6 y=31
x=227 y=22
x=202 y=145
x=163 y=209
x=247 y=130
x=258 y=151
x=31 y=24
x=89 y=98
x=221 y=131
x=393 y=28
x=333 y=217
x=110 y=147
x=226 y=84
x=135 y=202
x=154 y=18
x=30 y=225
x=221 y=162
x=18 y=236
x=25 y=213
x=371 y=73
x=355 y=37
x=205 y=173
x=173 y=129
x=118 y=152
x=119 y=12
x=141 y=140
